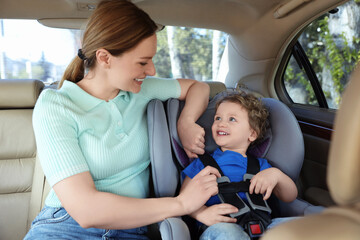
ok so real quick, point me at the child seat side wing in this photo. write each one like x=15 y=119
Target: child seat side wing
x=164 y=172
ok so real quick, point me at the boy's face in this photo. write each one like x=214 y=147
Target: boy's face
x=231 y=129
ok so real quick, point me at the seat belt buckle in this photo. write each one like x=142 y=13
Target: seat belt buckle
x=243 y=209
x=264 y=205
x=255 y=229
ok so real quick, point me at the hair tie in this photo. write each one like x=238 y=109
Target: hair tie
x=81 y=55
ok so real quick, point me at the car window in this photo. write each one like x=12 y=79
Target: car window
x=31 y=50
x=189 y=53
x=324 y=57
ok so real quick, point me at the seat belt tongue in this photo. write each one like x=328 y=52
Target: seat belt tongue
x=250 y=197
x=235 y=199
x=222 y=179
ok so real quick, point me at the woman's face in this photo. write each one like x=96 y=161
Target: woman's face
x=128 y=70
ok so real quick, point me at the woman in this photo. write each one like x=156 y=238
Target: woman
x=92 y=138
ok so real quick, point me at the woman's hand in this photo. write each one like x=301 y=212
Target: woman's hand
x=196 y=96
x=195 y=192
x=192 y=137
x=215 y=214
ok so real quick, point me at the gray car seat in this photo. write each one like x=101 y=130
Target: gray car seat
x=165 y=175
x=283 y=146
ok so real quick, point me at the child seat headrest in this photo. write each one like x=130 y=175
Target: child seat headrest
x=282 y=137
x=206 y=120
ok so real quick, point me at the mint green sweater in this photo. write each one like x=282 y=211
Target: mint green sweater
x=76 y=132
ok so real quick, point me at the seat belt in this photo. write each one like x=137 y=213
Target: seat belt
x=253 y=216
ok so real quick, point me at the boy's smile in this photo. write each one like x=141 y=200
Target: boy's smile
x=231 y=129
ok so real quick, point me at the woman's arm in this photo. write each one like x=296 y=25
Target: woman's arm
x=91 y=208
x=196 y=96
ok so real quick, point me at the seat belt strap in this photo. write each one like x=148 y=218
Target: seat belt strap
x=208 y=160
x=253 y=165
x=256 y=201
x=234 y=187
x=228 y=190
x=232 y=197
x=253 y=221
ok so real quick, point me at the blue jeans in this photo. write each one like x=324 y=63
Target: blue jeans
x=56 y=223
x=233 y=231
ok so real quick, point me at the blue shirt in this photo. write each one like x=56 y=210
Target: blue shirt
x=232 y=164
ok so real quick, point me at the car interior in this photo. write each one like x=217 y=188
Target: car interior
x=343 y=220
x=313 y=140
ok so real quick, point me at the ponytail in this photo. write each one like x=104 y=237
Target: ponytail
x=115 y=25
x=74 y=72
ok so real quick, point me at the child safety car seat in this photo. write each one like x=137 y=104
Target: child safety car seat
x=282 y=146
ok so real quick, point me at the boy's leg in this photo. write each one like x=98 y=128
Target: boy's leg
x=226 y=231
x=277 y=221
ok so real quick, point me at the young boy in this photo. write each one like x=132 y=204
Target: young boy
x=239 y=121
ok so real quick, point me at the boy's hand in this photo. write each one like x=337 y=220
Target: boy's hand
x=264 y=182
x=215 y=214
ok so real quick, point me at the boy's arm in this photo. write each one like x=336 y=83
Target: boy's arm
x=213 y=214
x=286 y=189
x=274 y=180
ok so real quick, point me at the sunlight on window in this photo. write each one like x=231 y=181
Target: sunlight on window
x=31 y=50
x=189 y=53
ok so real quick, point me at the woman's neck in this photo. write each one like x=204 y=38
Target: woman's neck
x=98 y=88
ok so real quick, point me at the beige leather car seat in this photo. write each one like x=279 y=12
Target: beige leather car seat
x=17 y=155
x=343 y=177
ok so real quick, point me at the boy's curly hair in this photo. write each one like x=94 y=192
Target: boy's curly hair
x=257 y=112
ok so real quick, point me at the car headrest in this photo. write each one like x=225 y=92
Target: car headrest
x=343 y=174
x=215 y=87
x=19 y=93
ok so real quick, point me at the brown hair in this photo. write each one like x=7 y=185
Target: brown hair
x=115 y=25
x=257 y=112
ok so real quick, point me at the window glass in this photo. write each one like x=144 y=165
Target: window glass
x=31 y=50
x=189 y=53
x=297 y=84
x=332 y=44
